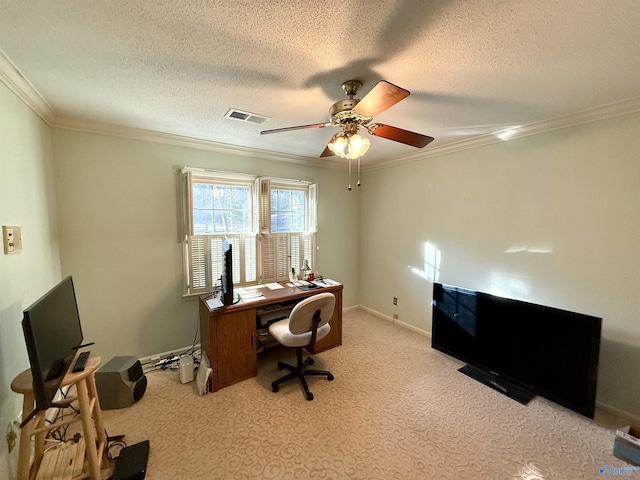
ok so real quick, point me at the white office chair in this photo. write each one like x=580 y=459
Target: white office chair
x=308 y=322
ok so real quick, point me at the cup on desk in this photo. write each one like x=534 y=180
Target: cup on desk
x=311 y=276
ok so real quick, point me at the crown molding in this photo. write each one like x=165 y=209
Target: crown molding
x=70 y=123
x=586 y=116
x=603 y=112
x=22 y=88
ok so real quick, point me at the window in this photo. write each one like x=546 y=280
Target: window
x=287 y=227
x=219 y=208
x=270 y=223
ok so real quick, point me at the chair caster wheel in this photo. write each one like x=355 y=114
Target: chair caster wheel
x=311 y=362
x=309 y=396
x=280 y=366
x=330 y=377
x=274 y=388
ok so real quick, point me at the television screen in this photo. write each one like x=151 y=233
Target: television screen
x=53 y=333
x=550 y=352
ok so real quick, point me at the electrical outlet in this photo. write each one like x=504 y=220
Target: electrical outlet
x=395 y=300
x=11 y=239
x=12 y=434
x=11 y=440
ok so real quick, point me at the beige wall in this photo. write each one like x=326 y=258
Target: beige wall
x=551 y=219
x=27 y=199
x=119 y=223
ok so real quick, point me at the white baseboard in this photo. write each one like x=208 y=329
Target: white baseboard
x=633 y=419
x=395 y=321
x=177 y=351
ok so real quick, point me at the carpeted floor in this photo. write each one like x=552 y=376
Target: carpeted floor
x=396 y=410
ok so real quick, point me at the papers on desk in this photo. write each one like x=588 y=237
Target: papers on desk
x=247 y=295
x=213 y=303
x=304 y=285
x=273 y=286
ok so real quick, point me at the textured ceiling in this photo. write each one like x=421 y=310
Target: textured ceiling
x=474 y=68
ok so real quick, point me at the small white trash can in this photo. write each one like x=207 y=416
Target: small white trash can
x=186 y=369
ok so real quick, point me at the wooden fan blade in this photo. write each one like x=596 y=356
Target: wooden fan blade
x=327 y=151
x=299 y=127
x=399 y=135
x=381 y=97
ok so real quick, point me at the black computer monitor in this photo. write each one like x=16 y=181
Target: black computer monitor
x=53 y=334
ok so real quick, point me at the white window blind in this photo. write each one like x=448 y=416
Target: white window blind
x=205 y=260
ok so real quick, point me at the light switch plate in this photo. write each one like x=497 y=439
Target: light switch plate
x=12 y=239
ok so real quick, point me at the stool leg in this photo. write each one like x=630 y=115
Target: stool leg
x=97 y=411
x=88 y=429
x=24 y=454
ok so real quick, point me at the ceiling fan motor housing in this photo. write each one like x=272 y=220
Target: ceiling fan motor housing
x=343 y=105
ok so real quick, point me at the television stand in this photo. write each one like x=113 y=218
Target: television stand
x=499 y=384
x=94 y=437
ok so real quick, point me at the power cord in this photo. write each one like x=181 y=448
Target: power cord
x=115 y=442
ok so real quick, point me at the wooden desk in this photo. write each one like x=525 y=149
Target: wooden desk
x=229 y=333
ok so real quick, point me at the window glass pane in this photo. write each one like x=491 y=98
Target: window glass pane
x=225 y=215
x=202 y=221
x=239 y=221
x=284 y=222
x=284 y=200
x=288 y=210
x=202 y=196
x=222 y=197
x=218 y=224
x=219 y=208
x=239 y=198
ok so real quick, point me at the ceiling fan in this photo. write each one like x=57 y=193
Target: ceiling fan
x=351 y=114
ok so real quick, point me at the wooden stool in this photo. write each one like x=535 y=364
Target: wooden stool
x=95 y=438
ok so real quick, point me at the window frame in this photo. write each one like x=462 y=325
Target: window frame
x=269 y=254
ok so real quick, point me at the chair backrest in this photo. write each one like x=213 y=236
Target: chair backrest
x=301 y=317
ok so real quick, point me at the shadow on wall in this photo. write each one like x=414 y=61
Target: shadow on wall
x=619 y=376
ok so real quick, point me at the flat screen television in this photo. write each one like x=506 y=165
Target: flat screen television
x=518 y=347
x=227 y=296
x=53 y=335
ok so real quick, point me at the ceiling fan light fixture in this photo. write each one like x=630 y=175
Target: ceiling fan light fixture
x=349 y=145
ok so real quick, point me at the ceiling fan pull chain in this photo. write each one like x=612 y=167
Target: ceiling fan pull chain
x=349 y=174
x=358 y=171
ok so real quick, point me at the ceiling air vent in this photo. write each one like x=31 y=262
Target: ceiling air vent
x=246 y=116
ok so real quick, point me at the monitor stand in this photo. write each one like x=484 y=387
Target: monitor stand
x=236 y=299
x=501 y=385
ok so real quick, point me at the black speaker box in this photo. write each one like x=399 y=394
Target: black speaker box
x=120 y=382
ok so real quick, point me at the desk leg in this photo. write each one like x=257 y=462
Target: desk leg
x=88 y=429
